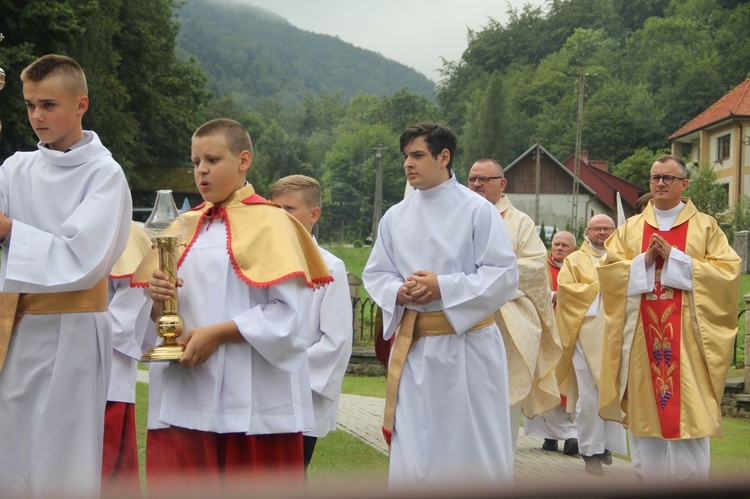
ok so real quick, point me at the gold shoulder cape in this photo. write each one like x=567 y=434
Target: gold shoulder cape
x=709 y=327
x=138 y=247
x=265 y=244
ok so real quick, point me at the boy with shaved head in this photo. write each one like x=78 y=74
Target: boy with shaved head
x=64 y=221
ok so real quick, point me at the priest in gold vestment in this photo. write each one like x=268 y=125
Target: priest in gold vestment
x=670 y=283
x=527 y=321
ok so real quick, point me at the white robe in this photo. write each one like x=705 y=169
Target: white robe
x=329 y=345
x=259 y=386
x=451 y=420
x=71 y=219
x=129 y=309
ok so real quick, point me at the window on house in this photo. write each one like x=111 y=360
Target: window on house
x=722 y=147
x=726 y=191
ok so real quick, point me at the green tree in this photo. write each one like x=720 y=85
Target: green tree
x=636 y=168
x=349 y=177
x=486 y=134
x=144 y=102
x=706 y=194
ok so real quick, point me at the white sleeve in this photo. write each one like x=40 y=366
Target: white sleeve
x=329 y=356
x=642 y=279
x=276 y=329
x=84 y=250
x=678 y=271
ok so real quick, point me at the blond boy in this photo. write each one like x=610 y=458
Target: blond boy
x=329 y=340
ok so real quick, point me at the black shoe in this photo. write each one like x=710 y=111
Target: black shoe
x=605 y=457
x=593 y=465
x=570 y=448
x=549 y=444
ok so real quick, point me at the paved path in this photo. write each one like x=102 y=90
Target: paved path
x=363 y=416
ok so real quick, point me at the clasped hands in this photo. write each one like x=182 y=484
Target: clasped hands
x=420 y=288
x=657 y=246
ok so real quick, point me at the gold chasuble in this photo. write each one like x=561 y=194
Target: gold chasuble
x=266 y=245
x=667 y=352
x=577 y=287
x=527 y=323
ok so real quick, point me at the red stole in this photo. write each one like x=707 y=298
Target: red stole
x=554 y=271
x=661 y=313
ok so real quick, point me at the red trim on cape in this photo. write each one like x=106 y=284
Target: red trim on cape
x=258 y=199
x=121 y=276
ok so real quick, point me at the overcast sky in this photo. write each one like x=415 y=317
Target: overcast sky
x=416 y=33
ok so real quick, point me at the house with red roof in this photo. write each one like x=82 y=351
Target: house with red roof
x=551 y=203
x=720 y=137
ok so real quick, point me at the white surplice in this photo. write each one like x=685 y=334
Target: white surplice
x=71 y=219
x=258 y=386
x=129 y=309
x=451 y=421
x=329 y=345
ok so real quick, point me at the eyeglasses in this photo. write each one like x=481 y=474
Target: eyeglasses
x=482 y=180
x=668 y=179
x=600 y=229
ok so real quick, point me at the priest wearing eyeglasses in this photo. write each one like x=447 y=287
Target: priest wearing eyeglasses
x=670 y=284
x=527 y=321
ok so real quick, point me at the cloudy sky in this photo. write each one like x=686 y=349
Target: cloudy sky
x=416 y=33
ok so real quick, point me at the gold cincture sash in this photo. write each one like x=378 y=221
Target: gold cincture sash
x=13 y=306
x=413 y=326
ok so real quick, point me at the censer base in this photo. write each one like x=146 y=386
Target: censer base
x=163 y=353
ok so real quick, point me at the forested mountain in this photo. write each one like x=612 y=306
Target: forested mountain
x=253 y=55
x=157 y=69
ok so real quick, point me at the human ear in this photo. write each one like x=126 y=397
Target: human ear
x=315 y=215
x=246 y=160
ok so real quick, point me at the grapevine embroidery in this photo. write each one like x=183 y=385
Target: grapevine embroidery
x=660 y=334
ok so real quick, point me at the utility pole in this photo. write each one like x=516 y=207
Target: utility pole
x=577 y=169
x=538 y=179
x=377 y=205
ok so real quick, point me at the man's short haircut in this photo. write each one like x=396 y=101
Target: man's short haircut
x=437 y=137
x=309 y=187
x=53 y=65
x=683 y=167
x=236 y=135
x=494 y=162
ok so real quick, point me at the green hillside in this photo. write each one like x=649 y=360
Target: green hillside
x=254 y=55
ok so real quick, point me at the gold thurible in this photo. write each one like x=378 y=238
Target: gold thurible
x=165 y=227
x=169 y=324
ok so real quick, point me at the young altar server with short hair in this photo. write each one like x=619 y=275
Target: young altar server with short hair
x=234 y=404
x=330 y=332
x=64 y=220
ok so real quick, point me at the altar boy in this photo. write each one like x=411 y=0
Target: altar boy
x=234 y=403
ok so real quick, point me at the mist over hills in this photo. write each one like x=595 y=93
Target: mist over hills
x=254 y=55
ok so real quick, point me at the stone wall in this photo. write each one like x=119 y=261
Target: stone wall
x=735 y=403
x=364 y=362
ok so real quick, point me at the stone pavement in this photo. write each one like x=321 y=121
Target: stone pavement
x=363 y=416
